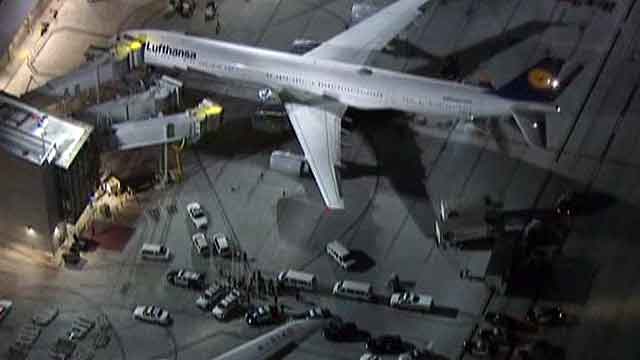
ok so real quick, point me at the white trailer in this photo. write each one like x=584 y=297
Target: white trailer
x=453 y=228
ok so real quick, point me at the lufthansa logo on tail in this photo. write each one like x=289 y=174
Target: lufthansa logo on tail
x=541 y=79
x=165 y=49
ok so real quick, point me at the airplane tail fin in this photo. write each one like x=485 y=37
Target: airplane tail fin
x=540 y=83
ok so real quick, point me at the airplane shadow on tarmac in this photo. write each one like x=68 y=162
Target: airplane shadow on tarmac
x=363 y=262
x=399 y=159
x=463 y=62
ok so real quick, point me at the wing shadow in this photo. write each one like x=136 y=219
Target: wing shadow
x=464 y=62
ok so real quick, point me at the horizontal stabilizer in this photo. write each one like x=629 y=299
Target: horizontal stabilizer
x=532 y=124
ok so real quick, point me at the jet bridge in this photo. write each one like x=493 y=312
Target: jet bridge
x=189 y=125
x=132 y=121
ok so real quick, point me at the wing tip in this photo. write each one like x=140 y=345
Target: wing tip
x=336 y=205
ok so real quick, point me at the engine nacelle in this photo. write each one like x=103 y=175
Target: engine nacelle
x=289 y=163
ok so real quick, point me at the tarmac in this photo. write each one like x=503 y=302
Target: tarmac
x=396 y=168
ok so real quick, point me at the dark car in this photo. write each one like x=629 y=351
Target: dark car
x=478 y=347
x=497 y=336
x=547 y=315
x=80 y=244
x=574 y=203
x=542 y=350
x=508 y=322
x=339 y=331
x=263 y=315
x=421 y=354
x=71 y=257
x=388 y=344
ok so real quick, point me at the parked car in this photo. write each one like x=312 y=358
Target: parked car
x=421 y=354
x=388 y=344
x=211 y=297
x=263 y=315
x=201 y=244
x=62 y=349
x=5 y=307
x=80 y=243
x=497 y=336
x=477 y=347
x=314 y=313
x=540 y=350
x=411 y=301
x=155 y=252
x=369 y=356
x=503 y=320
x=71 y=257
x=574 y=203
x=221 y=245
x=344 y=331
x=227 y=306
x=547 y=315
x=317 y=313
x=152 y=314
x=187 y=279
x=197 y=215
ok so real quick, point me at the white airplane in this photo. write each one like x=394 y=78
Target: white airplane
x=316 y=88
x=275 y=341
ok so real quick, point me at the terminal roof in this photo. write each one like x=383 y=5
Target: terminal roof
x=39 y=137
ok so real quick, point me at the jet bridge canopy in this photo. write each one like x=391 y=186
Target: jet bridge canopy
x=39 y=137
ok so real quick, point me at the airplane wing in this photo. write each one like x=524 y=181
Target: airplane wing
x=355 y=44
x=317 y=123
x=318 y=130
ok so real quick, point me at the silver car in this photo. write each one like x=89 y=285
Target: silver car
x=197 y=215
x=411 y=301
x=152 y=314
x=227 y=306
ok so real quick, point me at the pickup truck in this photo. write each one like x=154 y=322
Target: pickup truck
x=411 y=301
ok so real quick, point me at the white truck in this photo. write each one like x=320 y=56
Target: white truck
x=289 y=163
x=457 y=227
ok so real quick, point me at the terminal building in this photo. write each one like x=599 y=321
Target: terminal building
x=59 y=157
x=51 y=168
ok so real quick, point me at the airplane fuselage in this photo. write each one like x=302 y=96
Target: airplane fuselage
x=358 y=86
x=268 y=345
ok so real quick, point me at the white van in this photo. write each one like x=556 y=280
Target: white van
x=340 y=254
x=297 y=280
x=353 y=289
x=155 y=252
